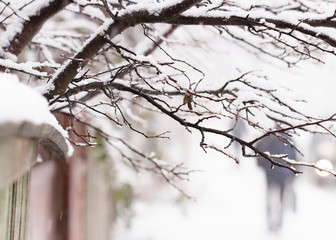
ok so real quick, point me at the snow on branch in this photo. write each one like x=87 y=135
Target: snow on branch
x=20 y=32
x=261 y=22
x=135 y=14
x=113 y=65
x=27 y=68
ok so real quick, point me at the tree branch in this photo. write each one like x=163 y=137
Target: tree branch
x=112 y=28
x=32 y=26
x=249 y=21
x=202 y=129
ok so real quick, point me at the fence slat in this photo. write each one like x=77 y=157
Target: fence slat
x=13 y=209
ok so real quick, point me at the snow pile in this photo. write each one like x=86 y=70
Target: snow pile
x=20 y=103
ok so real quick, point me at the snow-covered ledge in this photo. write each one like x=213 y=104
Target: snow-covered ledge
x=25 y=121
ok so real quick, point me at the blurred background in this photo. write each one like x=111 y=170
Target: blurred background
x=229 y=200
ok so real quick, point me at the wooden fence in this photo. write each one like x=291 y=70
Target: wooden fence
x=57 y=199
x=18 y=152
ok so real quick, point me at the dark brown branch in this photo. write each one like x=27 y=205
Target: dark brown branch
x=108 y=9
x=248 y=21
x=202 y=129
x=62 y=78
x=156 y=44
x=189 y=125
x=33 y=25
x=304 y=125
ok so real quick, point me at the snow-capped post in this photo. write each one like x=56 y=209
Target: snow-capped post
x=25 y=122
